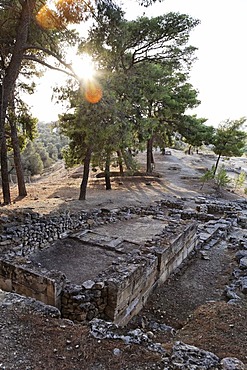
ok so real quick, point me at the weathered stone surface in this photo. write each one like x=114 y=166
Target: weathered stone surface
x=186 y=357
x=240 y=254
x=231 y=363
x=243 y=263
x=243 y=284
x=88 y=284
x=231 y=294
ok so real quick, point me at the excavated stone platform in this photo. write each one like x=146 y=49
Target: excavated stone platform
x=85 y=254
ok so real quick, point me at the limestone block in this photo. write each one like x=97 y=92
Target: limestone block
x=145 y=283
x=122 y=318
x=99 y=285
x=122 y=298
x=88 y=284
x=163 y=276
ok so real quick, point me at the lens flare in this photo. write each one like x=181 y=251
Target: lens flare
x=93 y=92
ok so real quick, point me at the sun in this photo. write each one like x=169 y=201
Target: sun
x=83 y=66
x=85 y=71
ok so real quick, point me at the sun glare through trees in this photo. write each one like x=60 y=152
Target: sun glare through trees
x=57 y=14
x=84 y=68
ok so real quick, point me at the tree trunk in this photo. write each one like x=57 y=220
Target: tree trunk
x=120 y=162
x=127 y=159
x=150 y=159
x=217 y=163
x=8 y=85
x=17 y=159
x=4 y=169
x=107 y=172
x=83 y=187
x=3 y=150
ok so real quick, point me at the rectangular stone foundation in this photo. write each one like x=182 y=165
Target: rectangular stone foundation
x=115 y=267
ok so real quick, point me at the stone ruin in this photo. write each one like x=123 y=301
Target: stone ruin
x=105 y=263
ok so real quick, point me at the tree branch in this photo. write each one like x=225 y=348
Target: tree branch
x=49 y=52
x=35 y=59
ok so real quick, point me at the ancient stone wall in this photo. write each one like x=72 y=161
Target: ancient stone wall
x=30 y=284
x=33 y=231
x=84 y=302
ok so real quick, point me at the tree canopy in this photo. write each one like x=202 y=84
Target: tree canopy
x=229 y=139
x=143 y=68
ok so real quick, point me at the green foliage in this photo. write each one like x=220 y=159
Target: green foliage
x=68 y=156
x=194 y=131
x=154 y=83
x=25 y=123
x=240 y=180
x=52 y=139
x=43 y=151
x=230 y=139
x=32 y=161
x=221 y=178
x=158 y=39
x=207 y=176
x=144 y=68
x=35 y=165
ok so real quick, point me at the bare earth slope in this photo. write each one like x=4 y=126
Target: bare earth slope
x=178 y=175
x=191 y=303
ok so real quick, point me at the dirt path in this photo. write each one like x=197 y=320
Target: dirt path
x=199 y=282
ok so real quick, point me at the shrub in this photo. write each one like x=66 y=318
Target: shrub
x=207 y=176
x=240 y=180
x=221 y=178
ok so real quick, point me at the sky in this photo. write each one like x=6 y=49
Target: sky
x=219 y=74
